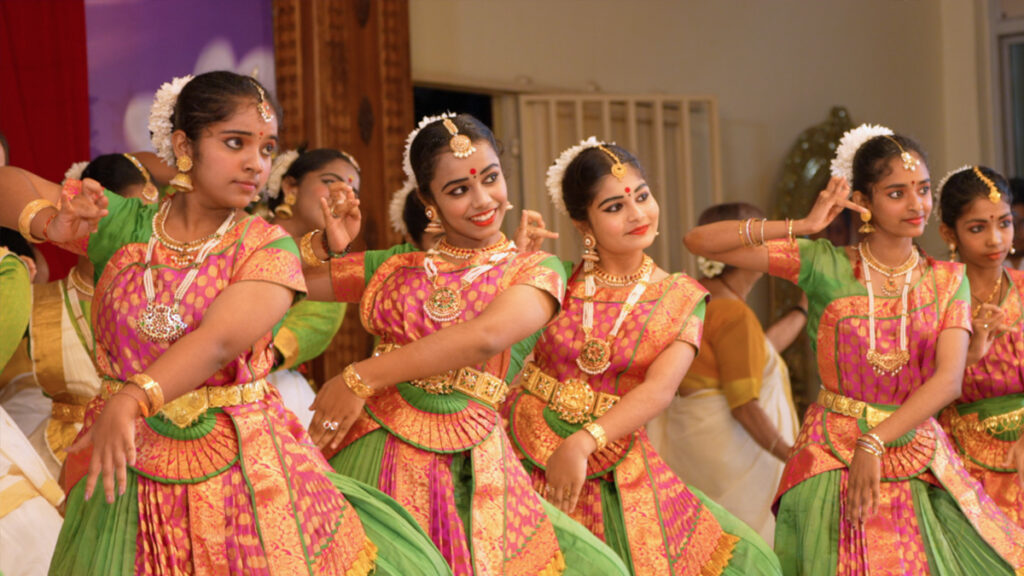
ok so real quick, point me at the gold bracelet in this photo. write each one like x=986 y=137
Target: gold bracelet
x=151 y=387
x=742 y=239
x=309 y=257
x=789 y=231
x=28 y=215
x=597 y=431
x=355 y=382
x=763 y=222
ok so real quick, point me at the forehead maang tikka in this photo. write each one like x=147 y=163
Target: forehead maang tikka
x=461 y=145
x=618 y=168
x=266 y=110
x=993 y=192
x=910 y=163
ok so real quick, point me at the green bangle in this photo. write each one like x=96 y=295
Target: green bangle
x=331 y=253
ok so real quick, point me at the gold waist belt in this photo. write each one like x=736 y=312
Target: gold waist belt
x=993 y=425
x=486 y=388
x=184 y=410
x=849 y=407
x=573 y=400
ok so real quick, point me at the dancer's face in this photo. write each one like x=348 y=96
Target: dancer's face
x=316 y=185
x=232 y=158
x=984 y=233
x=623 y=215
x=901 y=201
x=470 y=195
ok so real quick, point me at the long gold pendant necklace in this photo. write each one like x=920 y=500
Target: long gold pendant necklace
x=893 y=362
x=160 y=322
x=596 y=353
x=445 y=304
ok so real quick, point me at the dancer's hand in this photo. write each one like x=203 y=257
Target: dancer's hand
x=863 y=491
x=567 y=470
x=987 y=325
x=830 y=203
x=112 y=437
x=1015 y=459
x=78 y=216
x=342 y=218
x=532 y=232
x=335 y=410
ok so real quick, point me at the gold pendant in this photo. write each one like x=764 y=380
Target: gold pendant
x=595 y=356
x=890 y=363
x=573 y=401
x=444 y=305
x=161 y=323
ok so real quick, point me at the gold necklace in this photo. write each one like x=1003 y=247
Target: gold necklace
x=84 y=328
x=995 y=291
x=445 y=304
x=596 y=353
x=182 y=253
x=78 y=283
x=446 y=248
x=890 y=287
x=609 y=279
x=890 y=363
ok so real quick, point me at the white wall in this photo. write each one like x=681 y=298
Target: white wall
x=775 y=66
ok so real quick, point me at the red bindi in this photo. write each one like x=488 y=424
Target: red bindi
x=472 y=171
x=627 y=189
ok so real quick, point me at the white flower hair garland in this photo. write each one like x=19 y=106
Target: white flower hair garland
x=556 y=172
x=709 y=268
x=852 y=140
x=426 y=121
x=396 y=209
x=160 y=117
x=945 y=179
x=75 y=171
x=281 y=165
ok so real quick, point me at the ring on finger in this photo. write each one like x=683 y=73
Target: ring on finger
x=331 y=425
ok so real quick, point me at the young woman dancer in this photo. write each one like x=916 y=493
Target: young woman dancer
x=218 y=477
x=890 y=328
x=985 y=422
x=420 y=419
x=610 y=363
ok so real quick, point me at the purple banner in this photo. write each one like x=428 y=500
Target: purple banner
x=134 y=46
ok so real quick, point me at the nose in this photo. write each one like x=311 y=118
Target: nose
x=252 y=161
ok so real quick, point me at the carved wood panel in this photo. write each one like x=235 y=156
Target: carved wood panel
x=344 y=81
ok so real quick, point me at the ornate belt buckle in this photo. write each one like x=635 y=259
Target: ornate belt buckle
x=186 y=410
x=573 y=400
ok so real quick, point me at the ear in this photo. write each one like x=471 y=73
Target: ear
x=290 y=186
x=583 y=227
x=861 y=199
x=948 y=234
x=181 y=145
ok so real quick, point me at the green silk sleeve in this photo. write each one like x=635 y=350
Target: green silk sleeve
x=307 y=330
x=15 y=303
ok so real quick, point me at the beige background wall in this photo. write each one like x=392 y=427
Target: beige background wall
x=776 y=66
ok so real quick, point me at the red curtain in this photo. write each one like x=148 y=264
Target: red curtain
x=44 y=92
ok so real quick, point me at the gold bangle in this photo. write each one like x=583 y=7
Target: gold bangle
x=742 y=239
x=309 y=257
x=355 y=382
x=152 y=388
x=28 y=215
x=763 y=222
x=789 y=231
x=597 y=431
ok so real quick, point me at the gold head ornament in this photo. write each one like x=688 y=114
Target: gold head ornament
x=993 y=192
x=618 y=168
x=910 y=163
x=149 y=192
x=461 y=145
x=266 y=110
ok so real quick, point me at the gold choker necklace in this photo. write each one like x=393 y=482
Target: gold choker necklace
x=624 y=280
x=892 y=273
x=183 y=253
x=446 y=248
x=76 y=282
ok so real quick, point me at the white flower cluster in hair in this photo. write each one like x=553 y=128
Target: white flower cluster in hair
x=556 y=172
x=852 y=140
x=426 y=121
x=945 y=179
x=396 y=210
x=75 y=172
x=160 y=117
x=709 y=268
x=280 y=165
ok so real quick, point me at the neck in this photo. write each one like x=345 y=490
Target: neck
x=983 y=279
x=294 y=227
x=190 y=217
x=890 y=250
x=621 y=264
x=735 y=283
x=468 y=243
